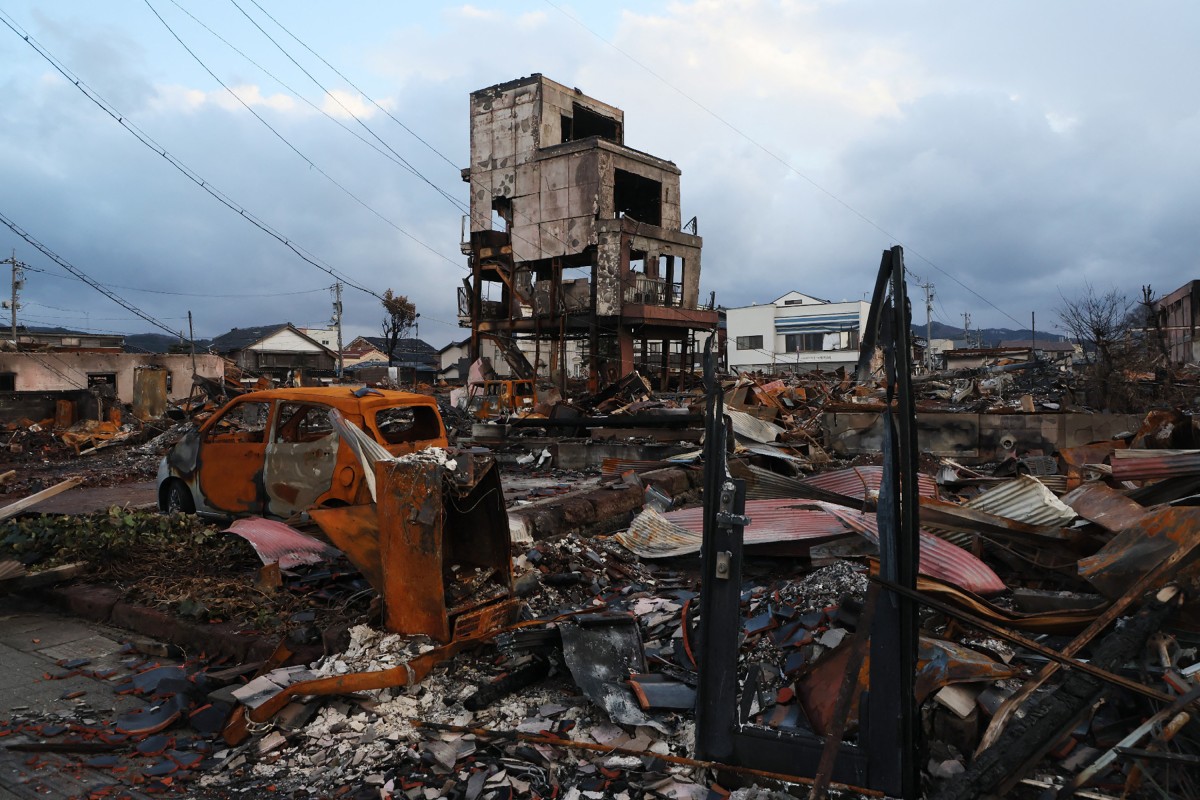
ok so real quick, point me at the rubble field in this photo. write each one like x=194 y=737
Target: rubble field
x=1058 y=626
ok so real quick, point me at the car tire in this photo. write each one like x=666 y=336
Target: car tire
x=176 y=499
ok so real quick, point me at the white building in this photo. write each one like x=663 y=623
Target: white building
x=796 y=332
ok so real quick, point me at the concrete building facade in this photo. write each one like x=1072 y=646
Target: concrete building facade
x=574 y=236
x=1177 y=315
x=794 y=333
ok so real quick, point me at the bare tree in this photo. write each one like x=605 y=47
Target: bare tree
x=1098 y=322
x=400 y=316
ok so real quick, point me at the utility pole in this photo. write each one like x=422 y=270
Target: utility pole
x=337 y=321
x=1033 y=334
x=966 y=315
x=17 y=272
x=928 y=287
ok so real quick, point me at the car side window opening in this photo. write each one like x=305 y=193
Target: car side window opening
x=244 y=422
x=302 y=422
x=401 y=425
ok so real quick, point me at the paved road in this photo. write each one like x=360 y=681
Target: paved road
x=32 y=642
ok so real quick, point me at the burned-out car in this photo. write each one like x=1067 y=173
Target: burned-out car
x=275 y=453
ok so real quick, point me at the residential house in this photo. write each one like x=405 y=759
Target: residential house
x=63 y=339
x=413 y=360
x=276 y=351
x=795 y=332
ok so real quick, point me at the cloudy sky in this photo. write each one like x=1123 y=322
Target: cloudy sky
x=1016 y=150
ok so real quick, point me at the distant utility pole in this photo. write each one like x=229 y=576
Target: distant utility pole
x=928 y=287
x=337 y=321
x=966 y=315
x=17 y=283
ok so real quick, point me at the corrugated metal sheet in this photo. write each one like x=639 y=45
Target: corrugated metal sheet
x=763 y=484
x=1024 y=499
x=1141 y=465
x=861 y=481
x=1109 y=508
x=959 y=524
x=751 y=427
x=938 y=559
x=618 y=466
x=276 y=542
x=655 y=535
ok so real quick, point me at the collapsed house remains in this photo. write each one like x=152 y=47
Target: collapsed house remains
x=755 y=610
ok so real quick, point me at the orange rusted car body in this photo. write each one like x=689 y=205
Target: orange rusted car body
x=274 y=453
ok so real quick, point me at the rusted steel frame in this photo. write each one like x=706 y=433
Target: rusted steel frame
x=1029 y=644
x=682 y=761
x=1136 y=735
x=236 y=727
x=1151 y=580
x=846 y=693
x=406 y=674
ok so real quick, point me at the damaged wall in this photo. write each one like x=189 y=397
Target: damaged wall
x=978 y=438
x=61 y=372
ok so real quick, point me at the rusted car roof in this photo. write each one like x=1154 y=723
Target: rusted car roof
x=342 y=397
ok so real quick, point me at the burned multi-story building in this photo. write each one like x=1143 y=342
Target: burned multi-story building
x=575 y=237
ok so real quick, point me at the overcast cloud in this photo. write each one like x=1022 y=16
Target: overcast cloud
x=1022 y=148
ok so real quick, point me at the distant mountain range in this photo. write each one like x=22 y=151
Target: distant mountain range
x=989 y=337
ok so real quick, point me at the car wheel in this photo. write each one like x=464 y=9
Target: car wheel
x=177 y=499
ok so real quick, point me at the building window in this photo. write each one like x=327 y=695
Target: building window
x=8 y=381
x=805 y=342
x=95 y=379
x=749 y=342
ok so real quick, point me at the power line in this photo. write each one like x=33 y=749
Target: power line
x=351 y=83
x=394 y=157
x=49 y=274
x=781 y=160
x=291 y=146
x=50 y=254
x=146 y=140
x=336 y=71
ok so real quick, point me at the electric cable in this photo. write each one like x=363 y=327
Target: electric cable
x=50 y=254
x=146 y=140
x=312 y=165
x=394 y=157
x=784 y=162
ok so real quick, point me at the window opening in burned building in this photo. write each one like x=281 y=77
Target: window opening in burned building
x=586 y=123
x=637 y=197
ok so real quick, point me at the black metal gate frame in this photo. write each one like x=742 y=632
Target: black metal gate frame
x=886 y=757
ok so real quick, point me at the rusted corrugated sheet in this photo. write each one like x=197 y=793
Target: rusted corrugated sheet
x=1141 y=465
x=1023 y=499
x=862 y=481
x=276 y=542
x=619 y=466
x=961 y=522
x=763 y=484
x=751 y=427
x=939 y=558
x=1109 y=508
x=1133 y=552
